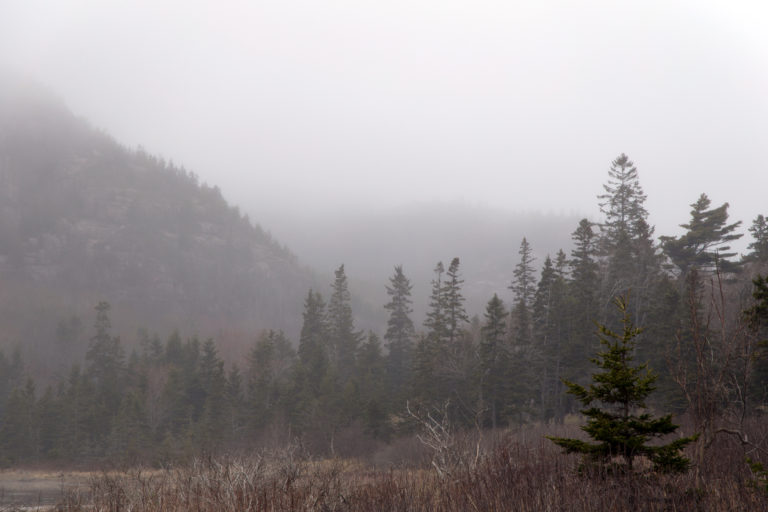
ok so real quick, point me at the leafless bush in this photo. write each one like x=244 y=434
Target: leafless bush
x=451 y=452
x=712 y=364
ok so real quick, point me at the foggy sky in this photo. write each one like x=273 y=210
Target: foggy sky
x=308 y=105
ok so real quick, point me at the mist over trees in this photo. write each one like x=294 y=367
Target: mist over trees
x=416 y=236
x=341 y=390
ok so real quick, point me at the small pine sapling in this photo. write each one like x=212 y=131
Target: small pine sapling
x=614 y=404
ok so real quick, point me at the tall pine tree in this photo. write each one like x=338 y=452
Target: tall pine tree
x=524 y=287
x=453 y=300
x=399 y=336
x=343 y=339
x=494 y=363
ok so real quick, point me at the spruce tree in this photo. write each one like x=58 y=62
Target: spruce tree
x=431 y=345
x=106 y=368
x=313 y=350
x=613 y=405
x=550 y=334
x=757 y=320
x=18 y=432
x=236 y=404
x=453 y=300
x=524 y=287
x=11 y=376
x=129 y=439
x=494 y=362
x=270 y=364
x=629 y=256
x=583 y=291
x=399 y=335
x=523 y=283
x=622 y=204
x=214 y=413
x=543 y=298
x=437 y=358
x=79 y=423
x=623 y=199
x=373 y=389
x=50 y=415
x=435 y=322
x=343 y=339
x=759 y=246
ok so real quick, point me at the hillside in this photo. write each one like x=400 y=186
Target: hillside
x=83 y=219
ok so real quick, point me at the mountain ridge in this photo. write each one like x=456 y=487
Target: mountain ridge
x=84 y=219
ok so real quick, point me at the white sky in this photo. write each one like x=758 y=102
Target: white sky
x=301 y=105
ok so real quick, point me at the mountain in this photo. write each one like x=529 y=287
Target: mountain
x=83 y=219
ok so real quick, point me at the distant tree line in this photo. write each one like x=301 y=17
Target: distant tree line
x=339 y=389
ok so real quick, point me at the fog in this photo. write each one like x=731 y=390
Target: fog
x=300 y=107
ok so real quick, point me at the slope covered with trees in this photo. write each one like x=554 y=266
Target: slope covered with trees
x=83 y=219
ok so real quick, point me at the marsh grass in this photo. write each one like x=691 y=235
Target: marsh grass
x=521 y=471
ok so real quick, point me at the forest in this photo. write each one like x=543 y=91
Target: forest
x=338 y=393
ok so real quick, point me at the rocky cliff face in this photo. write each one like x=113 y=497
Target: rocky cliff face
x=83 y=219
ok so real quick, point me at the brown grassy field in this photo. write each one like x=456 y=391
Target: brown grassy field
x=521 y=471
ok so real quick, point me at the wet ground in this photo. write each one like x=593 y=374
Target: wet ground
x=39 y=490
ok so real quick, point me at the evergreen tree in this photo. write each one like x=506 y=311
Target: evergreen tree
x=373 y=389
x=622 y=204
x=705 y=243
x=759 y=246
x=269 y=377
x=666 y=315
x=174 y=351
x=11 y=376
x=435 y=322
x=50 y=415
x=757 y=320
x=523 y=283
x=313 y=344
x=399 y=336
x=433 y=349
x=79 y=424
x=18 y=433
x=177 y=410
x=550 y=334
x=584 y=309
x=212 y=421
x=130 y=438
x=236 y=404
x=192 y=378
x=494 y=363
x=646 y=271
x=151 y=348
x=453 y=300
x=524 y=287
x=630 y=256
x=107 y=370
x=617 y=391
x=343 y=339
x=561 y=265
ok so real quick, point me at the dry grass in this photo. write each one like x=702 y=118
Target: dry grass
x=522 y=472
